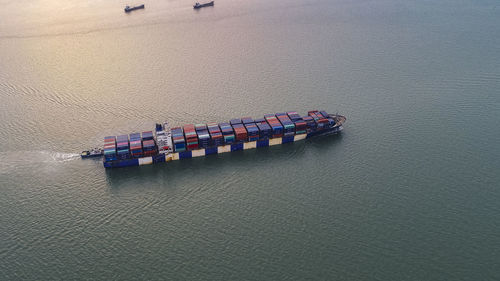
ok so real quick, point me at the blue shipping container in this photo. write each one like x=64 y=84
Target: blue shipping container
x=236 y=146
x=185 y=155
x=210 y=150
x=287 y=139
x=235 y=121
x=263 y=143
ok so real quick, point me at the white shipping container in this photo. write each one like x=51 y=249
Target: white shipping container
x=250 y=145
x=146 y=160
x=274 y=141
x=299 y=137
x=224 y=148
x=198 y=152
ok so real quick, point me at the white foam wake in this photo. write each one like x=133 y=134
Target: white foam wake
x=29 y=158
x=60 y=156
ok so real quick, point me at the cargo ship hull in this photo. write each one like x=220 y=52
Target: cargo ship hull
x=170 y=145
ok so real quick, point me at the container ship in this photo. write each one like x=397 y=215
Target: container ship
x=166 y=144
x=129 y=9
x=198 y=5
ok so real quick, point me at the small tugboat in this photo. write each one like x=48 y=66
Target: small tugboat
x=198 y=5
x=95 y=152
x=130 y=9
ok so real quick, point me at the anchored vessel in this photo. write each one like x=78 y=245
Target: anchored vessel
x=130 y=9
x=189 y=141
x=198 y=5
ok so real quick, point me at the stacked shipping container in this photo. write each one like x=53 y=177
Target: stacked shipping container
x=203 y=135
x=148 y=135
x=235 y=121
x=110 y=148
x=191 y=137
x=148 y=144
x=240 y=132
x=247 y=120
x=288 y=125
x=331 y=121
x=122 y=147
x=321 y=121
x=178 y=139
x=265 y=131
x=252 y=130
x=215 y=134
x=300 y=124
x=311 y=125
x=275 y=124
x=294 y=116
x=227 y=132
x=135 y=145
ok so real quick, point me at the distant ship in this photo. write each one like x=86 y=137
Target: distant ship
x=130 y=9
x=198 y=5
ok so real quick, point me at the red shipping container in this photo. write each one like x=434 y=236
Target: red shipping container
x=188 y=127
x=241 y=137
x=192 y=146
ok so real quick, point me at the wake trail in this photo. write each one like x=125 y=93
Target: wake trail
x=12 y=160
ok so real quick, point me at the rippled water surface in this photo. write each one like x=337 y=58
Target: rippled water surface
x=409 y=191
